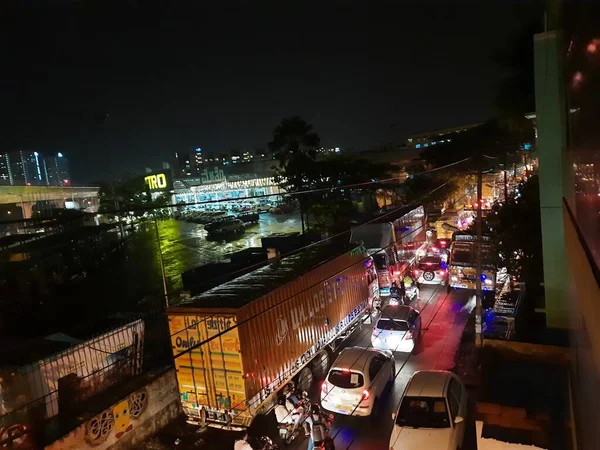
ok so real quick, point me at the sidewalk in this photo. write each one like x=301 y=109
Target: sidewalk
x=467 y=366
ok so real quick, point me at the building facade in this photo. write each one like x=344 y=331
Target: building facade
x=193 y=164
x=29 y=168
x=5 y=170
x=229 y=182
x=430 y=138
x=57 y=170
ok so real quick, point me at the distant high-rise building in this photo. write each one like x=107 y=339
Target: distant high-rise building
x=5 y=172
x=26 y=168
x=198 y=161
x=56 y=170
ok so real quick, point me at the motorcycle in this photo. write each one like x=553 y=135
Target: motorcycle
x=289 y=431
x=320 y=429
x=265 y=443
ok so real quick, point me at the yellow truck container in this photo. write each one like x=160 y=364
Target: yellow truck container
x=263 y=329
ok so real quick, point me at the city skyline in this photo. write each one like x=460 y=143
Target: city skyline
x=33 y=168
x=156 y=81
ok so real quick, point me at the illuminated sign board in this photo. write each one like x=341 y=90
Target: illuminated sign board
x=158 y=182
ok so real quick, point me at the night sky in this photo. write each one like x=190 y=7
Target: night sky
x=118 y=88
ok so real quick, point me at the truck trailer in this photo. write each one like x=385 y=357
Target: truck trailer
x=236 y=345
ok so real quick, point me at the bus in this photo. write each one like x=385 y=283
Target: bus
x=462 y=262
x=396 y=241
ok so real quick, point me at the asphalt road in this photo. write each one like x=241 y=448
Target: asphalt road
x=443 y=319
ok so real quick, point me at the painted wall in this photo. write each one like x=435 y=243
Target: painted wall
x=129 y=421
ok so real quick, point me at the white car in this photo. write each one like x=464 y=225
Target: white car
x=431 y=413
x=356 y=381
x=398 y=329
x=431 y=270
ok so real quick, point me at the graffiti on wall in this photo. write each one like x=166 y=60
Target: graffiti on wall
x=16 y=437
x=118 y=420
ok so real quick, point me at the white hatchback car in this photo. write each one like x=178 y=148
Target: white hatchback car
x=356 y=380
x=398 y=329
x=431 y=413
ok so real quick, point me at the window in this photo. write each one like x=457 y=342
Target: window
x=462 y=255
x=423 y=412
x=412 y=317
x=418 y=146
x=392 y=325
x=426 y=145
x=453 y=402
x=455 y=389
x=346 y=379
x=381 y=261
x=376 y=365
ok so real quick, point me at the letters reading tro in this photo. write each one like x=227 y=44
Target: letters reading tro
x=158 y=181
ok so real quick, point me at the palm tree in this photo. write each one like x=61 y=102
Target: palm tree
x=294 y=142
x=294 y=145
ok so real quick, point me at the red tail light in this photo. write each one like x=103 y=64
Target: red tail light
x=365 y=395
x=408 y=336
x=429 y=264
x=435 y=249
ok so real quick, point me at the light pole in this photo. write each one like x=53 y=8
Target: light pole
x=162 y=264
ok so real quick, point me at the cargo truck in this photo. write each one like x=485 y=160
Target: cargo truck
x=395 y=245
x=236 y=345
x=462 y=263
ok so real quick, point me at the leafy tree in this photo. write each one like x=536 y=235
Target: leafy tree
x=294 y=145
x=516 y=224
x=126 y=196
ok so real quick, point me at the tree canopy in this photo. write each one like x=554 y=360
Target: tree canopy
x=516 y=224
x=128 y=195
x=294 y=145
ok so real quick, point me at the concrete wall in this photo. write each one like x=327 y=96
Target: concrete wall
x=129 y=421
x=584 y=316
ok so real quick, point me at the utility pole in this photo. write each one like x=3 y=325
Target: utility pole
x=479 y=223
x=160 y=259
x=505 y=176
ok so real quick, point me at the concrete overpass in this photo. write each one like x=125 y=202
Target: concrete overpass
x=28 y=197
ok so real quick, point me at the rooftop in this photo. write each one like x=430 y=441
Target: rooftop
x=354 y=358
x=428 y=383
x=247 y=288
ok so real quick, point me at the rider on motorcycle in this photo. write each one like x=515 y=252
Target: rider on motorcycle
x=320 y=430
x=284 y=411
x=296 y=403
x=242 y=444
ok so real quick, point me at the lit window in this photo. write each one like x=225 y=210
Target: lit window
x=434 y=143
x=418 y=146
x=425 y=144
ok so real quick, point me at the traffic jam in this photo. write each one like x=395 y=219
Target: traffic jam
x=303 y=365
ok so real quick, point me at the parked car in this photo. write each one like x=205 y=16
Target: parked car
x=228 y=228
x=431 y=412
x=431 y=270
x=218 y=223
x=357 y=380
x=398 y=329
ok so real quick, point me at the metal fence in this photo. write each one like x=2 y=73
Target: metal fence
x=59 y=386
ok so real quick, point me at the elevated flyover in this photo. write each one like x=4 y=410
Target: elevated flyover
x=26 y=197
